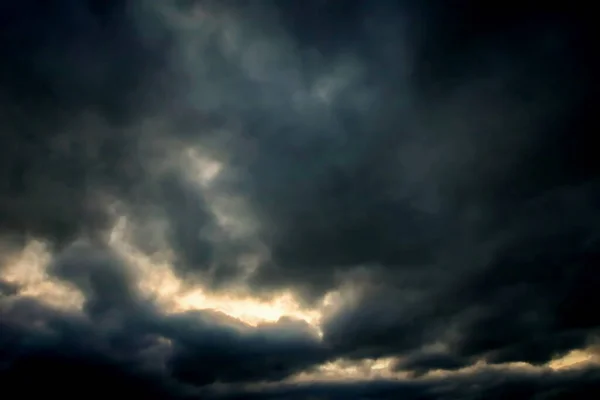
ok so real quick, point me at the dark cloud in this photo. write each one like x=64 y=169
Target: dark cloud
x=526 y=297
x=422 y=362
x=223 y=354
x=481 y=385
x=439 y=160
x=65 y=93
x=8 y=289
x=118 y=337
x=55 y=353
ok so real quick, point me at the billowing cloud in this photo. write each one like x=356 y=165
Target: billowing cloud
x=325 y=199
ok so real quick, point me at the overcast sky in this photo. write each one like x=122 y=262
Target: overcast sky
x=317 y=199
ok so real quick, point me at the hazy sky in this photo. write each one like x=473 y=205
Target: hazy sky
x=317 y=199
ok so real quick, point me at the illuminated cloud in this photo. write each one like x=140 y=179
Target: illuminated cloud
x=27 y=273
x=310 y=200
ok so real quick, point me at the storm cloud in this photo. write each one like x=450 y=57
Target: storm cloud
x=410 y=183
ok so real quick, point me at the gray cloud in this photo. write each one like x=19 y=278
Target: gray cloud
x=121 y=332
x=484 y=385
x=449 y=172
x=425 y=361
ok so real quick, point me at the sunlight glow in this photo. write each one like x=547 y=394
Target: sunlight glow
x=158 y=281
x=27 y=270
x=574 y=359
x=349 y=370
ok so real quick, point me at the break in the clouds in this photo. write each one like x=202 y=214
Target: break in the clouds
x=317 y=199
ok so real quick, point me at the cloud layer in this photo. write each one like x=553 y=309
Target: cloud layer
x=225 y=199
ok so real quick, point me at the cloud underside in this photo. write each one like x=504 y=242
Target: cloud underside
x=227 y=200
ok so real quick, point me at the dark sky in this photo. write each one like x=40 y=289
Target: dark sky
x=419 y=181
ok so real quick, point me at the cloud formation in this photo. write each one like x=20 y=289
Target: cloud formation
x=326 y=199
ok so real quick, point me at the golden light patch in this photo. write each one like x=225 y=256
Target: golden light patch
x=248 y=309
x=574 y=359
x=481 y=365
x=157 y=280
x=371 y=369
x=351 y=370
x=27 y=270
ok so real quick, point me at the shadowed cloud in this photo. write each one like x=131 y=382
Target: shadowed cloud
x=409 y=183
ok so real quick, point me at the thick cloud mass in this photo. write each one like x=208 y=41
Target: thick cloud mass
x=433 y=164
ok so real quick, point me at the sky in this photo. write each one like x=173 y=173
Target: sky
x=317 y=199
